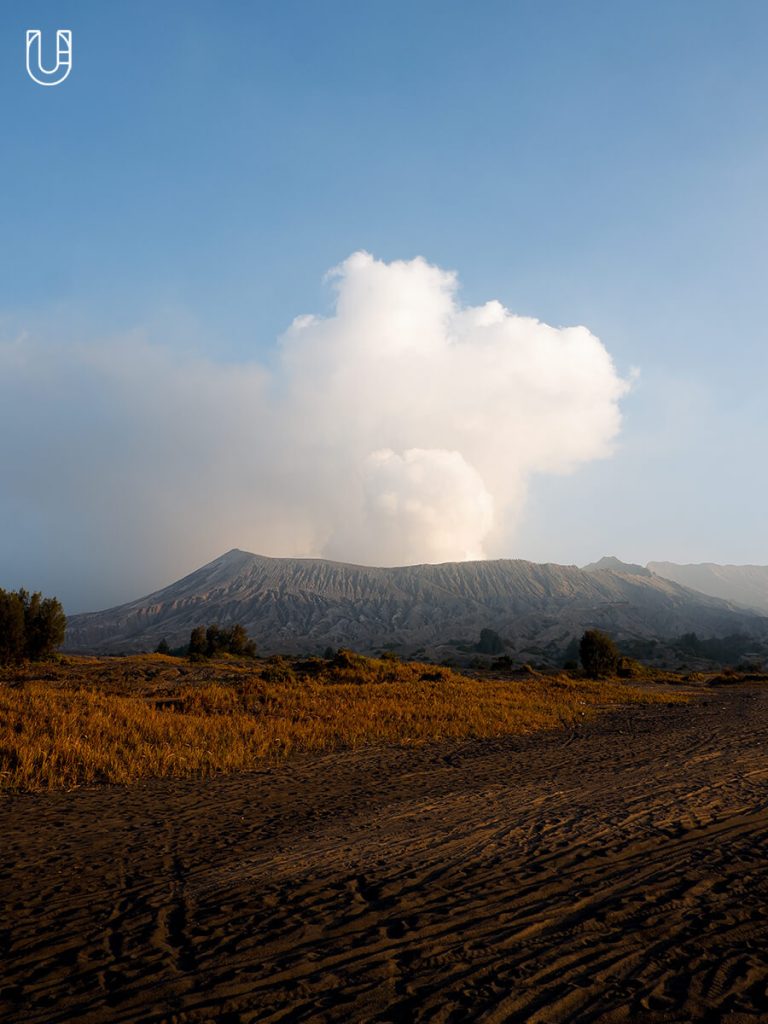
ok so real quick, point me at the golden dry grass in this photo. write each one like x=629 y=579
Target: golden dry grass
x=82 y=721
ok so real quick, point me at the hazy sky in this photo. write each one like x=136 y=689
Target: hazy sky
x=179 y=373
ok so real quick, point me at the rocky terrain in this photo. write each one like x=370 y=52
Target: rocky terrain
x=296 y=605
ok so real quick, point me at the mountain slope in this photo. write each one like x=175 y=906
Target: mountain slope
x=299 y=605
x=745 y=585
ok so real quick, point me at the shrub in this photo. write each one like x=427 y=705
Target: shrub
x=599 y=655
x=346 y=659
x=630 y=668
x=504 y=663
x=489 y=643
x=278 y=670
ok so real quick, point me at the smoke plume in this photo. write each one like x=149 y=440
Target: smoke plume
x=404 y=427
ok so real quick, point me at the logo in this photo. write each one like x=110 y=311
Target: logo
x=63 y=66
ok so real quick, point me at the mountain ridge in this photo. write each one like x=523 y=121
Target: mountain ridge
x=745 y=585
x=616 y=565
x=303 y=605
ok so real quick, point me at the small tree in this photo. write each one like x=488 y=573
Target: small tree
x=239 y=642
x=44 y=626
x=208 y=642
x=31 y=626
x=162 y=647
x=214 y=639
x=11 y=628
x=599 y=654
x=197 y=642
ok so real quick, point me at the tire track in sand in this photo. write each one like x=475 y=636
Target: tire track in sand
x=620 y=876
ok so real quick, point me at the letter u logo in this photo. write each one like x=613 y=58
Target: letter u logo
x=63 y=66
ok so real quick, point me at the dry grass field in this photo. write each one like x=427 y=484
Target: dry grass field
x=79 y=721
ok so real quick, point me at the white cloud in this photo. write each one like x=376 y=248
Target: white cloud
x=403 y=428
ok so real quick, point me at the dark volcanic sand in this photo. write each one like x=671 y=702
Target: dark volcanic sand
x=614 y=874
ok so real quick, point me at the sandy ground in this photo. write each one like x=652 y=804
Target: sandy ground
x=617 y=873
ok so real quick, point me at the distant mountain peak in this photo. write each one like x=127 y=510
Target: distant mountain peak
x=611 y=563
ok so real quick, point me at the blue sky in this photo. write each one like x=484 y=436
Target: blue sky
x=600 y=163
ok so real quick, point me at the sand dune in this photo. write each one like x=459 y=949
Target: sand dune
x=614 y=873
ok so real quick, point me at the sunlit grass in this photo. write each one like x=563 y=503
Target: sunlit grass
x=92 y=720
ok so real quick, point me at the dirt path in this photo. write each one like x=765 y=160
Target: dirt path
x=618 y=873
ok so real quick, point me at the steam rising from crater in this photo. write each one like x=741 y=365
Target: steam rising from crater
x=428 y=418
x=405 y=427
